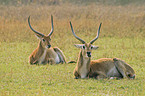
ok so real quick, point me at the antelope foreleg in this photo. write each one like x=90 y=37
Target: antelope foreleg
x=32 y=60
x=97 y=75
x=76 y=74
x=51 y=61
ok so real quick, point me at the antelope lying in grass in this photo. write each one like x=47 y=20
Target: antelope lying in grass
x=44 y=53
x=101 y=68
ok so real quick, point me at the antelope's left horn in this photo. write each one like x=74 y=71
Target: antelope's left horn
x=97 y=35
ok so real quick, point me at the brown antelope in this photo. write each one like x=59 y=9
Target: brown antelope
x=101 y=68
x=44 y=53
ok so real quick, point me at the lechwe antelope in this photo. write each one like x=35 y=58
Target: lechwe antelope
x=101 y=68
x=44 y=53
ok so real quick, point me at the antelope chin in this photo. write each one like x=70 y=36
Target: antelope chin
x=47 y=47
x=88 y=56
x=132 y=77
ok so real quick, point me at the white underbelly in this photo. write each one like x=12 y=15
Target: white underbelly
x=113 y=72
x=57 y=59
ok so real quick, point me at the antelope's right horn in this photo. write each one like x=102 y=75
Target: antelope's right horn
x=52 y=28
x=97 y=35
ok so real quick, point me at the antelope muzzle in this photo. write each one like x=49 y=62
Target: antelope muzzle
x=89 y=54
x=48 y=46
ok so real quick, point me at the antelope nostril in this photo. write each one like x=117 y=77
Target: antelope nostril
x=48 y=46
x=89 y=54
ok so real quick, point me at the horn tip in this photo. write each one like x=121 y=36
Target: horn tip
x=52 y=19
x=70 y=23
x=29 y=17
x=51 y=16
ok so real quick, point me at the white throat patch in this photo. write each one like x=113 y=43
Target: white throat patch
x=84 y=69
x=42 y=58
x=57 y=59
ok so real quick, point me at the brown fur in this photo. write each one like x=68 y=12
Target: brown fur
x=79 y=65
x=83 y=60
x=101 y=67
x=44 y=53
x=50 y=55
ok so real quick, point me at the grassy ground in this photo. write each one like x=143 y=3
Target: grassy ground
x=122 y=36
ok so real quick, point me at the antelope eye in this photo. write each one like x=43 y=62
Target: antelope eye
x=43 y=40
x=129 y=75
x=83 y=47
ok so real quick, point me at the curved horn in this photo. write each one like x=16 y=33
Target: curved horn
x=97 y=35
x=33 y=29
x=51 y=26
x=75 y=34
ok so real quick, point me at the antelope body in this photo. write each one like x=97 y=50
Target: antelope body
x=111 y=68
x=44 y=53
x=101 y=68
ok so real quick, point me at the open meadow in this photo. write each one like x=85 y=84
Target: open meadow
x=122 y=35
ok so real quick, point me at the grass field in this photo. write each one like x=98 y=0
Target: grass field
x=122 y=36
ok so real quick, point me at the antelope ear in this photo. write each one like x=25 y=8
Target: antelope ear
x=78 y=45
x=94 y=47
x=38 y=36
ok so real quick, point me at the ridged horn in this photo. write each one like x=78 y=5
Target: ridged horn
x=52 y=28
x=33 y=29
x=97 y=35
x=75 y=34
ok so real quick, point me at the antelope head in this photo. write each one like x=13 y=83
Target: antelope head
x=44 y=39
x=86 y=48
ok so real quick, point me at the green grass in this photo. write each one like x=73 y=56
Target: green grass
x=122 y=35
x=18 y=77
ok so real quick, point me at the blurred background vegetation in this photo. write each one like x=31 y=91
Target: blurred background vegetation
x=55 y=2
x=120 y=18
